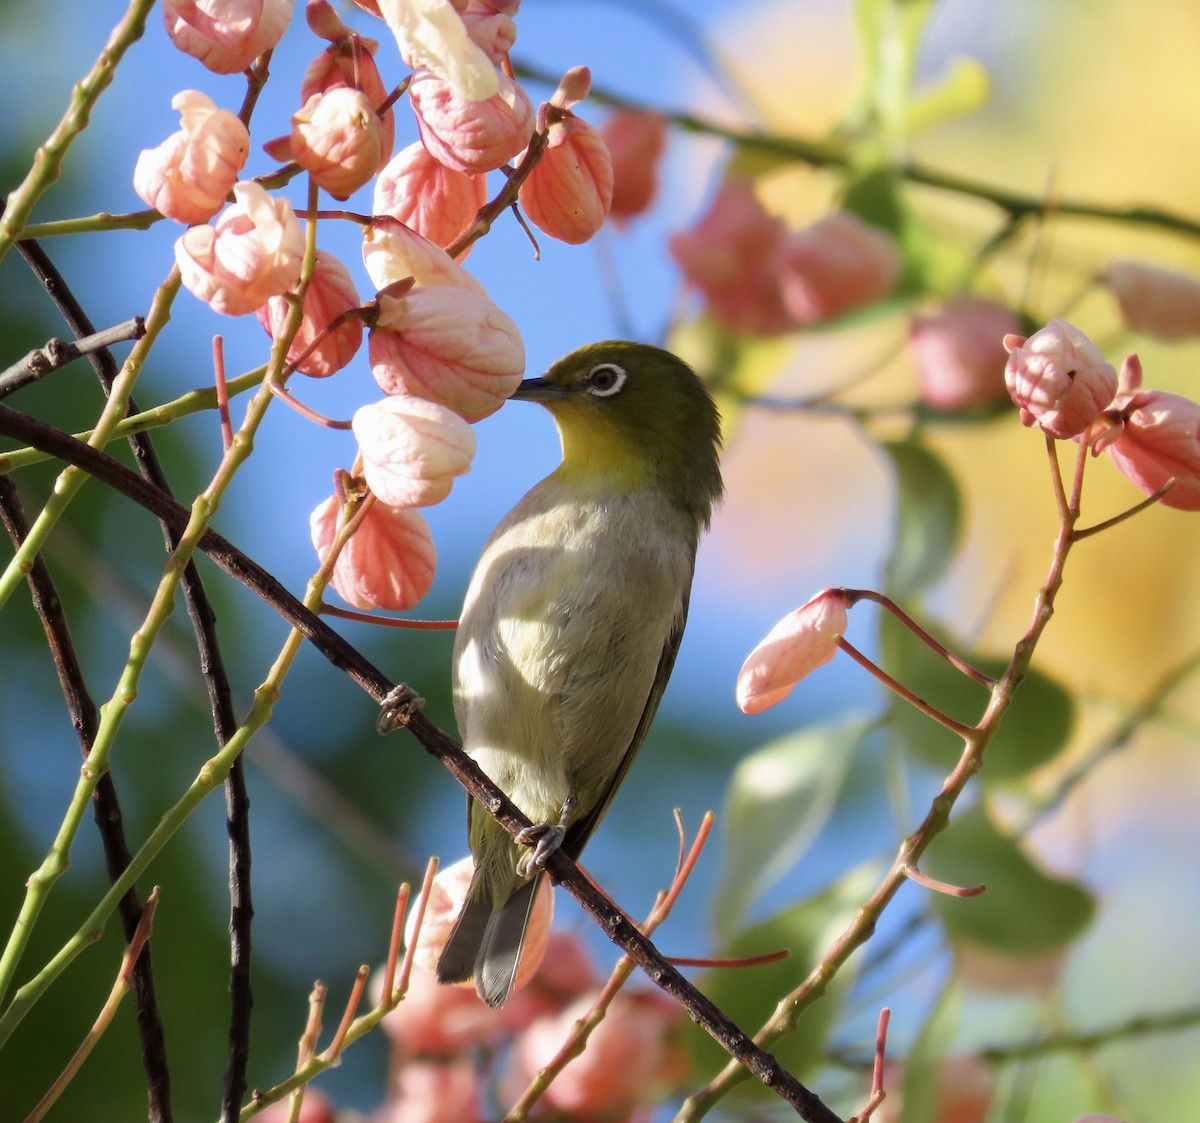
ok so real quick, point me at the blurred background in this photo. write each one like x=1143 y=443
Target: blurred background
x=1093 y=100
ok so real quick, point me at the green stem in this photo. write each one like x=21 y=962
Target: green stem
x=49 y=158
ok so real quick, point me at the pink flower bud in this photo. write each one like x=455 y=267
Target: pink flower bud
x=491 y=29
x=471 y=136
x=226 y=35
x=633 y=1056
x=392 y=252
x=959 y=353
x=387 y=563
x=435 y=201
x=1160 y=302
x=1058 y=378
x=338 y=139
x=440 y=1021
x=412 y=449
x=450 y=345
x=188 y=176
x=636 y=142
x=727 y=255
x=800 y=643
x=567 y=971
x=316 y=1108
x=349 y=63
x=838 y=263
x=433 y=1092
x=1161 y=441
x=254 y=252
x=445 y=903
x=330 y=292
x=324 y=22
x=569 y=191
x=431 y=36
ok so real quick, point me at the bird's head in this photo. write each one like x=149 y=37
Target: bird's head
x=634 y=415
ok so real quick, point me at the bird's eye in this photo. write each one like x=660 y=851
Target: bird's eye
x=605 y=380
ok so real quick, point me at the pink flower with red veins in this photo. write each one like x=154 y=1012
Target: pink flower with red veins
x=446 y=901
x=435 y=201
x=433 y=1092
x=412 y=449
x=349 y=63
x=254 y=252
x=392 y=253
x=450 y=345
x=431 y=35
x=837 y=264
x=388 y=562
x=1160 y=302
x=1160 y=441
x=633 y=1056
x=471 y=136
x=636 y=142
x=728 y=256
x=569 y=190
x=1058 y=378
x=959 y=353
x=226 y=35
x=330 y=292
x=338 y=139
x=188 y=176
x=490 y=28
x=800 y=643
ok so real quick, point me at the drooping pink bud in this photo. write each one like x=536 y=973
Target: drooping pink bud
x=471 y=136
x=728 y=256
x=188 y=176
x=959 y=353
x=392 y=252
x=324 y=22
x=330 y=292
x=1161 y=302
x=338 y=139
x=1160 y=441
x=1058 y=378
x=388 y=562
x=569 y=190
x=450 y=345
x=636 y=142
x=226 y=35
x=800 y=643
x=490 y=28
x=431 y=36
x=254 y=252
x=350 y=63
x=316 y=1108
x=837 y=264
x=435 y=201
x=412 y=449
x=428 y=1091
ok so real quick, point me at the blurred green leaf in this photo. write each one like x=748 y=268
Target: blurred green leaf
x=1025 y=910
x=779 y=798
x=749 y=994
x=921 y=1090
x=876 y=195
x=1035 y=729
x=890 y=34
x=962 y=90
x=928 y=518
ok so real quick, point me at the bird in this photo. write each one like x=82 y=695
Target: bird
x=571 y=624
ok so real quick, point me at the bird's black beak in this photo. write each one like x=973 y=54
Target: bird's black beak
x=541 y=390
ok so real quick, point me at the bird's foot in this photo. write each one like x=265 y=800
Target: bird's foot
x=545 y=838
x=396 y=709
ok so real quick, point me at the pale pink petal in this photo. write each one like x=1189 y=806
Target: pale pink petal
x=1160 y=441
x=226 y=35
x=959 y=352
x=569 y=191
x=436 y=202
x=1160 y=302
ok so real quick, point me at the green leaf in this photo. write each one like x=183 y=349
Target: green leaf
x=1035 y=729
x=778 y=800
x=890 y=34
x=928 y=518
x=1025 y=910
x=750 y=994
x=922 y=1072
x=962 y=90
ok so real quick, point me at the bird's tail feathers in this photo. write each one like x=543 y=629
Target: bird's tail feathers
x=456 y=964
x=503 y=939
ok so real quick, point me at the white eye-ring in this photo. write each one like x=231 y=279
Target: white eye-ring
x=606 y=380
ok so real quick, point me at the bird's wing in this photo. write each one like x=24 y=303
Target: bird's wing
x=581 y=830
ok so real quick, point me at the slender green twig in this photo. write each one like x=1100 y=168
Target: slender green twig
x=48 y=160
x=1087 y=1040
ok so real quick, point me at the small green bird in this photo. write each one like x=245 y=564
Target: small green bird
x=571 y=625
